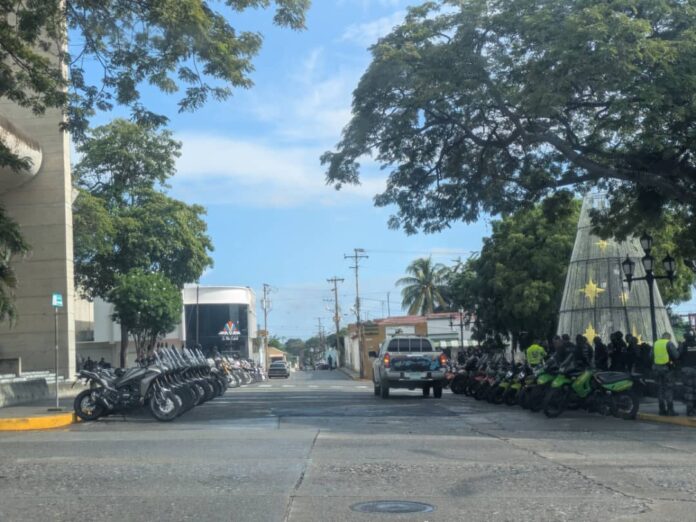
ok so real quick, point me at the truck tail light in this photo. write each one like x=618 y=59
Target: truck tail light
x=387 y=359
x=443 y=359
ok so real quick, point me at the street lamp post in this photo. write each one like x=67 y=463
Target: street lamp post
x=628 y=266
x=461 y=326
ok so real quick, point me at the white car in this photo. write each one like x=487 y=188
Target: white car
x=408 y=362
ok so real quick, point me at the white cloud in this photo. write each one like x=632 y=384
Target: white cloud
x=368 y=33
x=312 y=105
x=222 y=170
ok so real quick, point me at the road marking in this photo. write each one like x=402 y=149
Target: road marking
x=313 y=386
x=362 y=386
x=265 y=385
x=338 y=387
x=289 y=386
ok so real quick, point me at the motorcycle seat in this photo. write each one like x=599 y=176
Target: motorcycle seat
x=611 y=377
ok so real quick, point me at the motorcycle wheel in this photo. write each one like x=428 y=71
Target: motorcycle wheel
x=86 y=408
x=163 y=405
x=209 y=392
x=480 y=391
x=555 y=402
x=510 y=397
x=624 y=405
x=496 y=395
x=456 y=386
x=535 y=398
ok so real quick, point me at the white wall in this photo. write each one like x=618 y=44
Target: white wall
x=352 y=353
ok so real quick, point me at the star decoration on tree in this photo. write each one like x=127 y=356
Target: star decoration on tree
x=602 y=244
x=623 y=297
x=635 y=334
x=591 y=291
x=590 y=333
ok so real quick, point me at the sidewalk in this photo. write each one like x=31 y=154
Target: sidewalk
x=35 y=416
x=350 y=373
x=649 y=409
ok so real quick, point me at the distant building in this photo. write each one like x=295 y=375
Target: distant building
x=216 y=317
x=436 y=326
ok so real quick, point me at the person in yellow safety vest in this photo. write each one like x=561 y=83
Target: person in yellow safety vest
x=663 y=355
x=535 y=354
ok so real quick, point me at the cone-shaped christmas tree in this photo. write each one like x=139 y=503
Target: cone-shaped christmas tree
x=596 y=300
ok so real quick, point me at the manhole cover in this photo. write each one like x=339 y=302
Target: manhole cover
x=392 y=506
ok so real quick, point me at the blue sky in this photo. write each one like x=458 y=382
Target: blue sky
x=253 y=162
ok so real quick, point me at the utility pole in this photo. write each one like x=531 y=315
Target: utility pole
x=198 y=287
x=337 y=319
x=320 y=334
x=358 y=254
x=388 y=305
x=266 y=305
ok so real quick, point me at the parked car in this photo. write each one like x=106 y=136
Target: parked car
x=408 y=362
x=278 y=369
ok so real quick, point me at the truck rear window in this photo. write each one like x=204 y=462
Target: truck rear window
x=410 y=345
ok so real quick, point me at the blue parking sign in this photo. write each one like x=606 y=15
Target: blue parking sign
x=57 y=301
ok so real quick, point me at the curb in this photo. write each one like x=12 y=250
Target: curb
x=688 y=422
x=350 y=375
x=44 y=422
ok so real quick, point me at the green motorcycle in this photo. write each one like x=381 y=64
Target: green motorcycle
x=603 y=392
x=532 y=394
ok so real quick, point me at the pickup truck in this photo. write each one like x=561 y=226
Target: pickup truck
x=408 y=362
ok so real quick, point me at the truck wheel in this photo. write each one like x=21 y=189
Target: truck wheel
x=437 y=391
x=384 y=390
x=376 y=387
x=426 y=391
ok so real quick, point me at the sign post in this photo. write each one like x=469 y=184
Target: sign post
x=56 y=302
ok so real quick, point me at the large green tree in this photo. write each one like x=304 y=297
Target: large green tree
x=516 y=283
x=123 y=221
x=115 y=47
x=11 y=244
x=147 y=304
x=485 y=106
x=424 y=288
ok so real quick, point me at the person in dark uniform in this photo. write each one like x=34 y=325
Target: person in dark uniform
x=617 y=350
x=664 y=356
x=688 y=372
x=601 y=355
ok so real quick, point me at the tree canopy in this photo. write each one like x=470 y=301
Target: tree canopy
x=11 y=244
x=118 y=46
x=147 y=305
x=516 y=283
x=424 y=289
x=122 y=222
x=477 y=106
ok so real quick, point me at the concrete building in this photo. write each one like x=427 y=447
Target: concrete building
x=216 y=317
x=40 y=200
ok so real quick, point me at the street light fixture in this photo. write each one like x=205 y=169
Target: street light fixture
x=628 y=266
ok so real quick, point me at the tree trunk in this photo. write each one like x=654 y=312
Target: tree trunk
x=124 y=345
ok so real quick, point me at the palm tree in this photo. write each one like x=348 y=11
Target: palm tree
x=424 y=288
x=11 y=244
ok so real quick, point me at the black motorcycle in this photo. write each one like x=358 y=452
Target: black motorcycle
x=120 y=390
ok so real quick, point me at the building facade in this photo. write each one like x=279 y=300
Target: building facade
x=214 y=317
x=39 y=199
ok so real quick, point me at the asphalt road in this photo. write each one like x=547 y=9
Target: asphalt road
x=308 y=448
